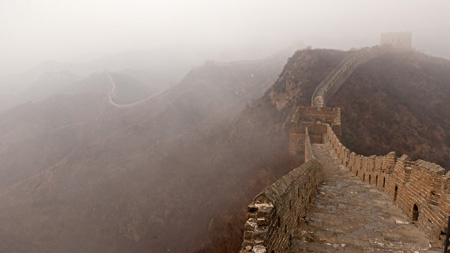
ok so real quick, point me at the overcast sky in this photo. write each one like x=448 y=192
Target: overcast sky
x=32 y=31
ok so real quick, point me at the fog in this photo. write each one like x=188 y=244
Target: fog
x=33 y=31
x=119 y=134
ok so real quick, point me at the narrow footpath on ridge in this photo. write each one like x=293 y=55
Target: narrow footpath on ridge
x=351 y=216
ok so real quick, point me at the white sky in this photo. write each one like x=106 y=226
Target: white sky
x=32 y=31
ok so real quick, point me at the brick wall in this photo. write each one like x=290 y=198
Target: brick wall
x=276 y=213
x=420 y=188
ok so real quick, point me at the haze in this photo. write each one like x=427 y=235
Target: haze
x=73 y=31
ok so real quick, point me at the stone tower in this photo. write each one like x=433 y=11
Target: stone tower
x=400 y=40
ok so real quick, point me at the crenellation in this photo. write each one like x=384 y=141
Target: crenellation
x=420 y=188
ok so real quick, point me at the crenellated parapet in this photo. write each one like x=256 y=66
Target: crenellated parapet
x=420 y=188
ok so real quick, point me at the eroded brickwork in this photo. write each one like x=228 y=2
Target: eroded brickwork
x=420 y=188
x=276 y=213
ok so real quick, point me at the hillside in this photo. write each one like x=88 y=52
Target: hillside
x=126 y=179
x=400 y=102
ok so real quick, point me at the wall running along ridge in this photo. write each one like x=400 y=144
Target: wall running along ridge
x=112 y=94
x=331 y=84
x=420 y=188
x=276 y=212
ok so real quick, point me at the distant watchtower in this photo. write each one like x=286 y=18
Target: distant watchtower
x=400 y=40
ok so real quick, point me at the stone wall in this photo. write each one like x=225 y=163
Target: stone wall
x=420 y=188
x=276 y=213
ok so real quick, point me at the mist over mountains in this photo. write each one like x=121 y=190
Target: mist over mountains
x=148 y=126
x=78 y=170
x=72 y=158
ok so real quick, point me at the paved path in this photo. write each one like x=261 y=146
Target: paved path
x=351 y=216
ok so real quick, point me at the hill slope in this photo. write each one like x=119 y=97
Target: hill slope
x=398 y=101
x=125 y=180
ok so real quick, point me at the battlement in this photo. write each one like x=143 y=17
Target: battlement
x=420 y=188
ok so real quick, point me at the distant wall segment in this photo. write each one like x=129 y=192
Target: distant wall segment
x=420 y=188
x=333 y=81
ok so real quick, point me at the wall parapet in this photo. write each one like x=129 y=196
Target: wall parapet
x=278 y=211
x=420 y=188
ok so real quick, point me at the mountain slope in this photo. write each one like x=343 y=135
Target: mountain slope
x=176 y=172
x=398 y=101
x=135 y=178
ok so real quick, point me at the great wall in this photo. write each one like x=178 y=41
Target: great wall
x=112 y=94
x=339 y=201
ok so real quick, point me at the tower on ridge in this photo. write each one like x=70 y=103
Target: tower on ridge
x=316 y=120
x=398 y=40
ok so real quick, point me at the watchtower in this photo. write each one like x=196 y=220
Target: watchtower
x=316 y=120
x=398 y=40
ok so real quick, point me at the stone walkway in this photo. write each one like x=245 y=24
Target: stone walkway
x=351 y=216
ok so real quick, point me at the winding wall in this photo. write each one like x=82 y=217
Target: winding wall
x=112 y=94
x=331 y=84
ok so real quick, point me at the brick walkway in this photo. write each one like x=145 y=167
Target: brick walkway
x=351 y=216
